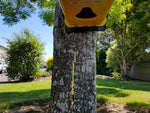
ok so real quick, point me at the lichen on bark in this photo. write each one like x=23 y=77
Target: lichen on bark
x=83 y=44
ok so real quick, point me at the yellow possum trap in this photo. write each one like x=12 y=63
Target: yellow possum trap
x=85 y=13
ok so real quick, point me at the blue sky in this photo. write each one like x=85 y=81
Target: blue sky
x=33 y=23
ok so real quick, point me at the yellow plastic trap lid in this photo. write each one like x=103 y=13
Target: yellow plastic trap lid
x=81 y=13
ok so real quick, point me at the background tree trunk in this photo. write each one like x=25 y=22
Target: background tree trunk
x=74 y=69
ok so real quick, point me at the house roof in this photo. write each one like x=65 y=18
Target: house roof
x=3 y=47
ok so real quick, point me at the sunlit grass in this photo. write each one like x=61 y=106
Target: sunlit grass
x=131 y=94
x=20 y=92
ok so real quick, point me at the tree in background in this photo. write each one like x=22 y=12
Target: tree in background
x=112 y=57
x=101 y=66
x=144 y=57
x=24 y=56
x=130 y=27
x=103 y=39
x=103 y=43
x=49 y=64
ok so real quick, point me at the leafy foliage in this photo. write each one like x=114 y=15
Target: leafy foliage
x=44 y=73
x=117 y=12
x=47 y=11
x=115 y=74
x=103 y=39
x=103 y=43
x=112 y=56
x=101 y=64
x=144 y=57
x=130 y=27
x=24 y=56
x=140 y=19
x=15 y=10
x=49 y=64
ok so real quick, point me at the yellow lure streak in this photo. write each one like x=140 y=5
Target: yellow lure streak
x=72 y=85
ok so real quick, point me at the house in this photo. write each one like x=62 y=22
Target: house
x=140 y=71
x=3 y=53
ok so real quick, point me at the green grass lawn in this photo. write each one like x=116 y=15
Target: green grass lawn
x=132 y=94
x=23 y=92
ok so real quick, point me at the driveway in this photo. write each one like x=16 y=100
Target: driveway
x=3 y=78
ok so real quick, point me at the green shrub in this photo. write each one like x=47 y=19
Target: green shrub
x=46 y=74
x=49 y=64
x=40 y=73
x=115 y=74
x=24 y=58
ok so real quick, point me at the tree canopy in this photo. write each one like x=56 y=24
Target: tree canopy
x=13 y=11
x=131 y=35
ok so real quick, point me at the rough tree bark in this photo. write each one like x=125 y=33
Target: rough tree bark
x=74 y=69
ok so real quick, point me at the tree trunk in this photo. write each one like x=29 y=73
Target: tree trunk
x=73 y=79
x=125 y=68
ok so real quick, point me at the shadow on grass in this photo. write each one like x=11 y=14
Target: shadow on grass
x=8 y=106
x=123 y=84
x=13 y=97
x=111 y=92
x=102 y=100
x=136 y=105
